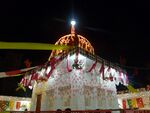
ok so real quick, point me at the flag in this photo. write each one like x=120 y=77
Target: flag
x=124 y=104
x=18 y=105
x=140 y=102
x=134 y=103
x=129 y=103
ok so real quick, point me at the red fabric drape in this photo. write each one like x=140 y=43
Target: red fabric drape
x=53 y=61
x=68 y=68
x=102 y=70
x=93 y=66
x=120 y=77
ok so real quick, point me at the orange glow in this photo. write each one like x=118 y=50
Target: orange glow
x=73 y=40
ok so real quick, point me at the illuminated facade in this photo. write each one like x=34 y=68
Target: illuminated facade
x=80 y=80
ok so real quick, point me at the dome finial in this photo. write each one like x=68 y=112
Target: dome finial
x=72 y=26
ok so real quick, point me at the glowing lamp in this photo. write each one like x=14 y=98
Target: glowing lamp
x=73 y=22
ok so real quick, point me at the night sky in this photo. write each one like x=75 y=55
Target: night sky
x=115 y=29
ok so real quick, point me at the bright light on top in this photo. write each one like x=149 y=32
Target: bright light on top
x=73 y=22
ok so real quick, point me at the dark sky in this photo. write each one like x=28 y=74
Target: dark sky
x=114 y=29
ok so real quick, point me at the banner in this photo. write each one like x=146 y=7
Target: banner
x=11 y=105
x=32 y=46
x=140 y=102
x=18 y=104
x=129 y=103
x=4 y=105
x=124 y=104
x=15 y=72
x=134 y=105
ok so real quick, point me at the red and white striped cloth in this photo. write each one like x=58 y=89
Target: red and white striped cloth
x=15 y=72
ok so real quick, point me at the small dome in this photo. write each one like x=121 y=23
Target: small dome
x=73 y=40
